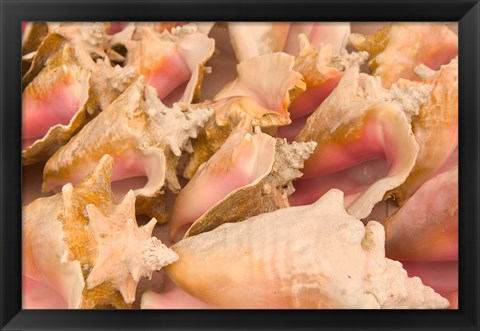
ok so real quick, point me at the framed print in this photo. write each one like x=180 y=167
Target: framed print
x=240 y=165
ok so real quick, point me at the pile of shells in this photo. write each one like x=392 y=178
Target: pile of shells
x=239 y=165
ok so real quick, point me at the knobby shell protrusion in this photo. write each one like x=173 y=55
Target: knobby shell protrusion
x=358 y=122
x=435 y=127
x=258 y=170
x=143 y=135
x=86 y=247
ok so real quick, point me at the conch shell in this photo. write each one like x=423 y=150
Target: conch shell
x=143 y=135
x=317 y=257
x=90 y=37
x=425 y=228
x=357 y=124
x=168 y=60
x=65 y=95
x=253 y=39
x=319 y=33
x=398 y=48
x=260 y=94
x=321 y=68
x=435 y=127
x=86 y=247
x=249 y=175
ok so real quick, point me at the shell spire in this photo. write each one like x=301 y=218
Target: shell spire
x=126 y=252
x=88 y=248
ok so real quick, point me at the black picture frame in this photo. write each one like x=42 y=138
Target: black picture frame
x=467 y=13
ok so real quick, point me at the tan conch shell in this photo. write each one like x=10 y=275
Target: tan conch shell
x=168 y=59
x=398 y=48
x=320 y=64
x=435 y=127
x=260 y=94
x=356 y=124
x=96 y=84
x=33 y=36
x=90 y=37
x=249 y=175
x=317 y=256
x=143 y=135
x=86 y=247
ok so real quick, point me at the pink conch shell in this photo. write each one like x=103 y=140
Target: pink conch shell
x=321 y=68
x=317 y=257
x=398 y=48
x=145 y=138
x=87 y=248
x=249 y=175
x=435 y=127
x=358 y=124
x=260 y=94
x=63 y=97
x=426 y=227
x=254 y=39
x=36 y=295
x=168 y=60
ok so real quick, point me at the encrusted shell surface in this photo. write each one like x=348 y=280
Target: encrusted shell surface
x=435 y=127
x=143 y=135
x=398 y=48
x=90 y=37
x=249 y=175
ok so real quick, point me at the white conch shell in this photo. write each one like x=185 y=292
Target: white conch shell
x=398 y=48
x=144 y=136
x=92 y=260
x=317 y=256
x=257 y=38
x=356 y=124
